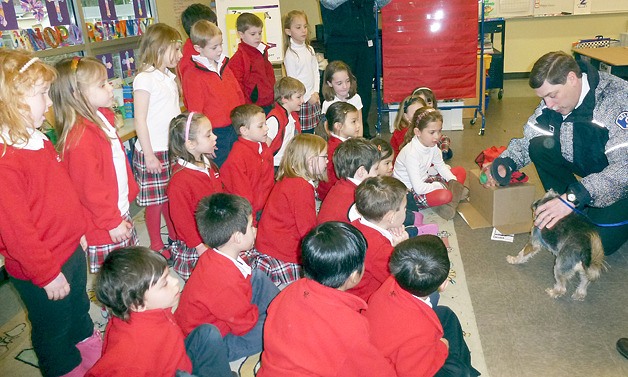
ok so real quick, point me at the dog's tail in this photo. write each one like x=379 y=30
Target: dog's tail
x=597 y=257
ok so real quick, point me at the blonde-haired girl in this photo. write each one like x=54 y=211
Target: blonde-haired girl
x=42 y=223
x=156 y=102
x=93 y=154
x=290 y=211
x=301 y=64
x=195 y=176
x=340 y=86
x=407 y=108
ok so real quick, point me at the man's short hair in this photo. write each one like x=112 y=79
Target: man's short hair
x=553 y=67
x=125 y=276
x=202 y=32
x=248 y=20
x=376 y=196
x=420 y=264
x=353 y=153
x=285 y=87
x=197 y=12
x=221 y=215
x=331 y=252
x=241 y=115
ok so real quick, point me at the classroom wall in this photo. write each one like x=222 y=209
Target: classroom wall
x=526 y=38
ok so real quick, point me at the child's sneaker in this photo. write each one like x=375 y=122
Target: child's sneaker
x=90 y=349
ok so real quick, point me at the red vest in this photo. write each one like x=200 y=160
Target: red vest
x=281 y=114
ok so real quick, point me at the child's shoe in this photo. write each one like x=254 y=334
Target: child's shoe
x=427 y=229
x=418 y=218
x=90 y=349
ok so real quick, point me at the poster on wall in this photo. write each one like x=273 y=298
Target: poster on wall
x=268 y=11
x=107 y=10
x=107 y=60
x=8 y=20
x=127 y=60
x=139 y=7
x=58 y=12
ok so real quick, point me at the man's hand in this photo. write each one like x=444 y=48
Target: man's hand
x=58 y=288
x=548 y=214
x=490 y=181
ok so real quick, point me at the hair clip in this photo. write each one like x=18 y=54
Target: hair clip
x=379 y=148
x=28 y=64
x=421 y=88
x=187 y=125
x=75 y=63
x=424 y=113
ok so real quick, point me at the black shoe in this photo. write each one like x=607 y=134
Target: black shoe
x=622 y=347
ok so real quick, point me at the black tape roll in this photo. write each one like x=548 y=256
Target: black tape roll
x=502 y=181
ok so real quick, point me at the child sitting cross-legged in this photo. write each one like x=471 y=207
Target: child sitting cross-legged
x=354 y=160
x=222 y=290
x=314 y=327
x=381 y=203
x=417 y=336
x=142 y=337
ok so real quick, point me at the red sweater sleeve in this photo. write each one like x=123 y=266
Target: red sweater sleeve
x=193 y=92
x=182 y=204
x=235 y=175
x=84 y=160
x=236 y=65
x=303 y=208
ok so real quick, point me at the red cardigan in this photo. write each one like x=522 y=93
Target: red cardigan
x=150 y=344
x=332 y=178
x=255 y=74
x=396 y=140
x=89 y=160
x=185 y=64
x=218 y=294
x=41 y=217
x=313 y=330
x=376 y=263
x=338 y=202
x=281 y=114
x=248 y=173
x=212 y=94
x=406 y=331
x=186 y=188
x=290 y=213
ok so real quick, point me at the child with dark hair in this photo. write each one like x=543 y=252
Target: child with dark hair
x=189 y=16
x=418 y=338
x=314 y=326
x=428 y=96
x=283 y=120
x=381 y=203
x=223 y=290
x=387 y=157
x=142 y=337
x=354 y=161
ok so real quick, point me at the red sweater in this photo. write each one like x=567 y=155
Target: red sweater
x=89 y=160
x=338 y=202
x=255 y=74
x=217 y=293
x=150 y=344
x=248 y=173
x=41 y=218
x=406 y=331
x=185 y=64
x=281 y=114
x=290 y=213
x=186 y=188
x=212 y=94
x=396 y=140
x=376 y=263
x=332 y=178
x=313 y=330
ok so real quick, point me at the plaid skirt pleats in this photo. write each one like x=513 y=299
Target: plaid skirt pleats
x=152 y=186
x=309 y=116
x=280 y=272
x=421 y=199
x=96 y=254
x=184 y=258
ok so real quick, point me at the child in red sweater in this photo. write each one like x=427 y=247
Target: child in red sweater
x=209 y=87
x=418 y=337
x=283 y=120
x=407 y=108
x=250 y=63
x=381 y=204
x=314 y=326
x=342 y=124
x=94 y=155
x=42 y=222
x=142 y=337
x=290 y=211
x=355 y=160
x=189 y=16
x=223 y=290
x=194 y=177
x=249 y=171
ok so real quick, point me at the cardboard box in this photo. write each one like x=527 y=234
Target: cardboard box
x=505 y=208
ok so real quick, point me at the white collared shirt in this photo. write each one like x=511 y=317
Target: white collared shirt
x=189 y=165
x=207 y=64
x=426 y=300
x=119 y=164
x=339 y=137
x=35 y=141
x=378 y=228
x=244 y=268
x=583 y=92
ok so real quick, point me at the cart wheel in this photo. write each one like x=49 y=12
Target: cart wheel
x=472 y=121
x=500 y=95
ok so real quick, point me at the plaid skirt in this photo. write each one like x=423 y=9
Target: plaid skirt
x=97 y=254
x=421 y=199
x=184 y=259
x=152 y=186
x=278 y=271
x=309 y=115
